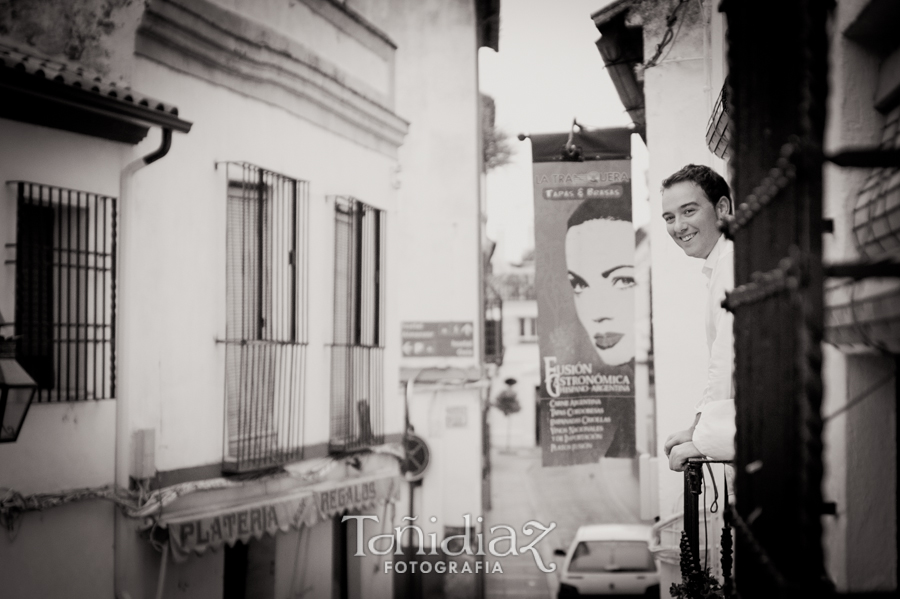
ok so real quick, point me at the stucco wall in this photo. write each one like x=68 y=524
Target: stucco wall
x=62 y=445
x=676 y=113
x=679 y=95
x=859 y=473
x=450 y=422
x=437 y=91
x=63 y=552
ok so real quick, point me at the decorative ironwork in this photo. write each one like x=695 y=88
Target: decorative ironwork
x=65 y=314
x=763 y=285
x=777 y=108
x=493 y=326
x=727 y=551
x=693 y=486
x=266 y=311
x=867 y=157
x=864 y=314
x=357 y=356
x=876 y=217
x=863 y=270
x=718 y=136
x=767 y=190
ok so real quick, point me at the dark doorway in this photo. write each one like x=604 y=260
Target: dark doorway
x=250 y=569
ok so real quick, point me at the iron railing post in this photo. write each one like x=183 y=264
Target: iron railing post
x=693 y=483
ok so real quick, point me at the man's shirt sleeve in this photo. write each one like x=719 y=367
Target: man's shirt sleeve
x=720 y=372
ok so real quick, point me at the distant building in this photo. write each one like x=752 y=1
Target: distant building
x=521 y=356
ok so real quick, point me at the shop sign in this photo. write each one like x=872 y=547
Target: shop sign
x=438 y=339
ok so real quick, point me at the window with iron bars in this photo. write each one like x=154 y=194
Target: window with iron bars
x=65 y=268
x=266 y=317
x=357 y=355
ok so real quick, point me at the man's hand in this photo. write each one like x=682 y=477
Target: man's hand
x=680 y=454
x=684 y=436
x=678 y=438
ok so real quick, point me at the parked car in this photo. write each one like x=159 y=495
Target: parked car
x=609 y=560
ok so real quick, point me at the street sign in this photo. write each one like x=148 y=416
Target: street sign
x=438 y=339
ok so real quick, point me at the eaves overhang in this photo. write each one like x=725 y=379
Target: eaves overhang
x=488 y=16
x=45 y=92
x=611 y=11
x=621 y=46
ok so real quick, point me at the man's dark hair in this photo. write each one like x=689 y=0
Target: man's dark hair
x=711 y=182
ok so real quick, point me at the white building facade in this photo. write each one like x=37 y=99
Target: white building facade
x=215 y=329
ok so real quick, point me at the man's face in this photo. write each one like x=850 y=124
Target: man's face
x=691 y=218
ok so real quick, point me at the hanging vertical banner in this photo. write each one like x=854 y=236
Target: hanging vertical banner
x=585 y=280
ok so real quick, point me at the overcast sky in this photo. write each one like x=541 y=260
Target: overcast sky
x=547 y=72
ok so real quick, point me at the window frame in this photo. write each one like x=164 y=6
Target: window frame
x=74 y=358
x=267 y=324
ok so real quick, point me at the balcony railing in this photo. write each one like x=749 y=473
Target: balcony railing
x=357 y=397
x=264 y=390
x=693 y=487
x=493 y=326
x=267 y=264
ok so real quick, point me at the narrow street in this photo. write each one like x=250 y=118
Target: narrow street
x=523 y=490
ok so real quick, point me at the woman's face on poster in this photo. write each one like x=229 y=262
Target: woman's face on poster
x=600 y=261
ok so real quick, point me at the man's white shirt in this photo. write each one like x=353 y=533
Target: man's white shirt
x=714 y=431
x=719 y=272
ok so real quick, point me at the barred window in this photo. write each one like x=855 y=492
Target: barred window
x=65 y=262
x=266 y=328
x=357 y=359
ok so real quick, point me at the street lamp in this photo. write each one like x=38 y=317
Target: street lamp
x=17 y=389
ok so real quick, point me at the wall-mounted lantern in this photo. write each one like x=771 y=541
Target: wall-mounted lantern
x=17 y=389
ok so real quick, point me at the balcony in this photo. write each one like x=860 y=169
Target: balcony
x=357 y=402
x=692 y=571
x=264 y=390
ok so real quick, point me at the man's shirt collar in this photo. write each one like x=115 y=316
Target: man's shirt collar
x=710 y=264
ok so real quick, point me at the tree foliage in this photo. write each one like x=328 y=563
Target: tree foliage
x=496 y=147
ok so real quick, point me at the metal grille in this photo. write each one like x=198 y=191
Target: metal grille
x=864 y=314
x=493 y=326
x=267 y=326
x=66 y=291
x=876 y=217
x=718 y=135
x=357 y=356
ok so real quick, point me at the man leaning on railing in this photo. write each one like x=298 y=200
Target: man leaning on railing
x=693 y=200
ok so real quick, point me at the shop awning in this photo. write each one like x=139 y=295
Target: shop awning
x=210 y=519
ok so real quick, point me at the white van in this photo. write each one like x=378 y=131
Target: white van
x=609 y=560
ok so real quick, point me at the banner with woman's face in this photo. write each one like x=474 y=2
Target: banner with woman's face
x=585 y=281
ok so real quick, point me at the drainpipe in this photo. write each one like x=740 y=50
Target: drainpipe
x=410 y=384
x=123 y=532
x=162 y=150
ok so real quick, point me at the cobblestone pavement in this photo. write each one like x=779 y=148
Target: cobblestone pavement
x=522 y=490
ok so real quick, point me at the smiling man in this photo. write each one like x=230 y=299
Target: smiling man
x=693 y=200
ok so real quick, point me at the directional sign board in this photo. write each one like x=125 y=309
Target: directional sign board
x=438 y=339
